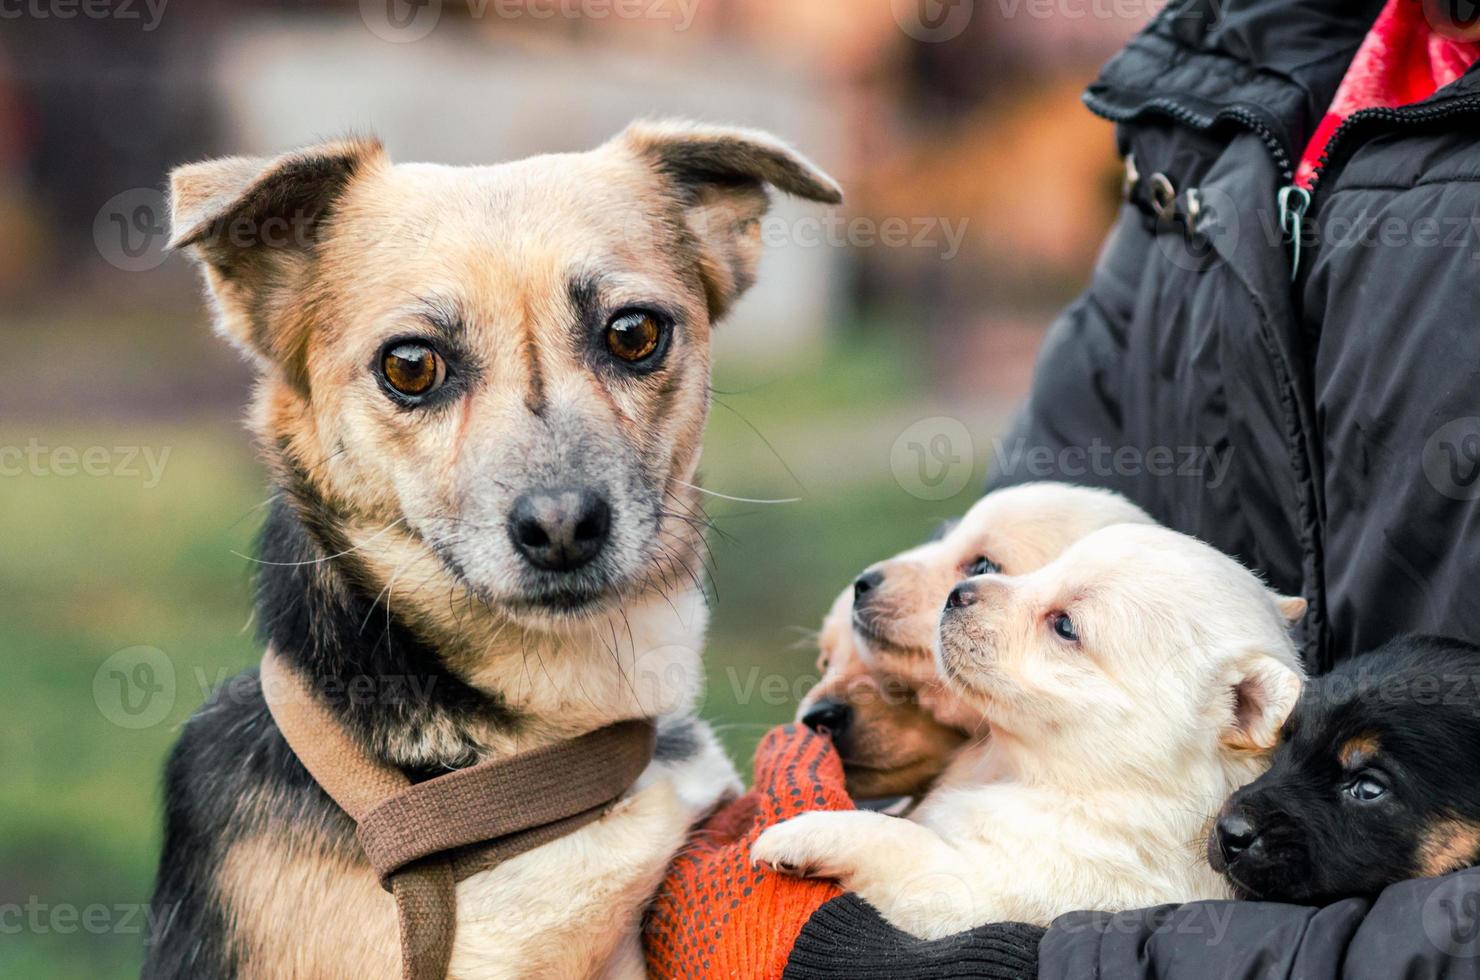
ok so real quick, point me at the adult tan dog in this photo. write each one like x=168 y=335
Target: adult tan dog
x=481 y=397
x=895 y=725
x=1131 y=685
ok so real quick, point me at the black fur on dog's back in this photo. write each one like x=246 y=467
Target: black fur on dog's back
x=1376 y=779
x=231 y=775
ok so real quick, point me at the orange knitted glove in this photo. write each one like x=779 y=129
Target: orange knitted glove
x=715 y=915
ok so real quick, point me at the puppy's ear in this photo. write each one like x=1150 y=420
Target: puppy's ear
x=253 y=224
x=1292 y=607
x=721 y=177
x=1264 y=692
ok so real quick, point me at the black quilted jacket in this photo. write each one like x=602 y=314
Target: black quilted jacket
x=1314 y=413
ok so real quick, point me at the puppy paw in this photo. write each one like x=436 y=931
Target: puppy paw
x=804 y=847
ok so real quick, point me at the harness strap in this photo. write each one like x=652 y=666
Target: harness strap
x=508 y=805
x=423 y=837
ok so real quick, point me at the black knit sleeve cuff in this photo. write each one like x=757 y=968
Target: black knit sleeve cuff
x=846 y=939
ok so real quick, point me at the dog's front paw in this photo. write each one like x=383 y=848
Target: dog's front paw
x=804 y=846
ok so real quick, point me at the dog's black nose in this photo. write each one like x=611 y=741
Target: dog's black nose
x=962 y=595
x=864 y=584
x=828 y=716
x=562 y=529
x=1236 y=834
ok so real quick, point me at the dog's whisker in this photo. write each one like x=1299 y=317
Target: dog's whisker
x=740 y=500
x=684 y=566
x=326 y=558
x=761 y=436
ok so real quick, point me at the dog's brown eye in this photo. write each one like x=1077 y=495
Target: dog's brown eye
x=634 y=337
x=413 y=370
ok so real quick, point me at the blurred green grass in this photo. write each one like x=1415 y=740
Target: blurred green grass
x=94 y=565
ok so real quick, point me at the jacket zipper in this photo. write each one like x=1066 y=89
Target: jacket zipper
x=1295 y=202
x=1198 y=120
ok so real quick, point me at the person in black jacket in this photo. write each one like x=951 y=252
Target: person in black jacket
x=1312 y=337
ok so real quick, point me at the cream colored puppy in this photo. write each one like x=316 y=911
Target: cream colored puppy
x=1012 y=531
x=1131 y=685
x=894 y=724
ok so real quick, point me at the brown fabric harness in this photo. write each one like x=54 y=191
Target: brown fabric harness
x=422 y=838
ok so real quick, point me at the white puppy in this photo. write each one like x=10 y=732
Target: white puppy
x=1130 y=685
x=893 y=722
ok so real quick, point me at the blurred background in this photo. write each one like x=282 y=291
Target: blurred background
x=865 y=379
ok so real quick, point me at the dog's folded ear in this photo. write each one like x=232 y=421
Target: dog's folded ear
x=253 y=224
x=720 y=176
x=1292 y=607
x=1264 y=692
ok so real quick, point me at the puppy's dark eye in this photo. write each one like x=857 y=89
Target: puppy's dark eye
x=635 y=336
x=412 y=369
x=1063 y=627
x=1365 y=789
x=982 y=565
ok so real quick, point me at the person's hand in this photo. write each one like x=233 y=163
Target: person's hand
x=717 y=916
x=847 y=939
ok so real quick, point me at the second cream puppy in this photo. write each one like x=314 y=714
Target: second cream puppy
x=894 y=724
x=1131 y=685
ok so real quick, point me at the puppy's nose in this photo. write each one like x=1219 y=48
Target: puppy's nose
x=864 y=584
x=561 y=529
x=828 y=716
x=1236 y=834
x=962 y=595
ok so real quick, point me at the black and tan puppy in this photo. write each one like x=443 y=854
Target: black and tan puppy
x=889 y=743
x=481 y=396
x=1376 y=780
